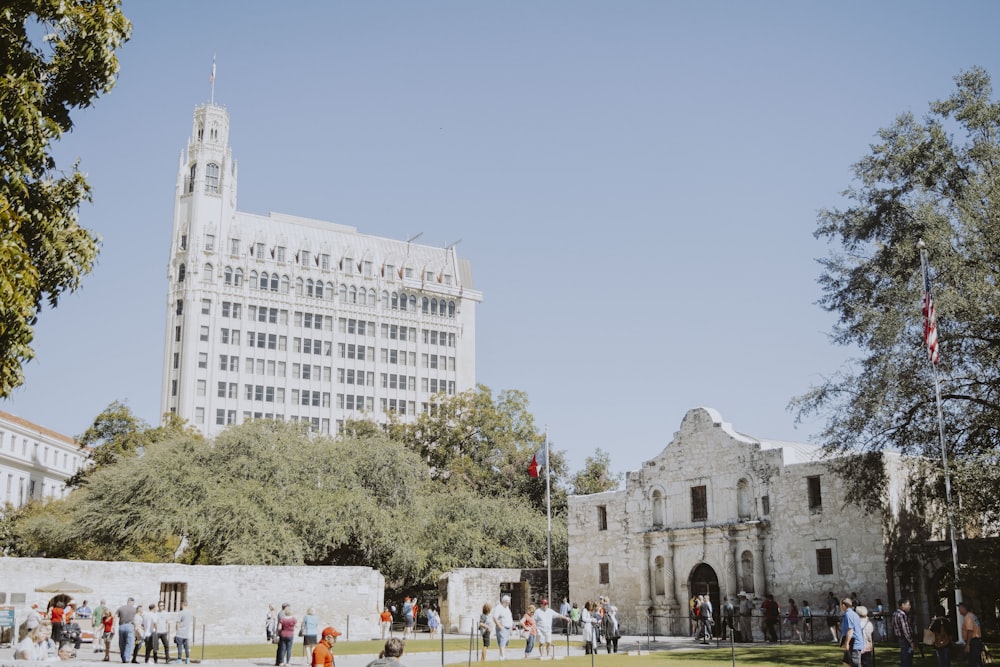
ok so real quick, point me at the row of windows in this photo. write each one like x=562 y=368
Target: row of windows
x=349 y=294
x=39 y=452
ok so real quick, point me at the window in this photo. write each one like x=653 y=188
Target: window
x=211 y=177
x=815 y=493
x=603 y=573
x=209 y=242
x=234 y=247
x=206 y=306
x=203 y=360
x=180 y=273
x=602 y=517
x=699 y=503
x=765 y=505
x=203 y=334
x=824 y=561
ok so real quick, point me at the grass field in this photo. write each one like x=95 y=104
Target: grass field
x=759 y=654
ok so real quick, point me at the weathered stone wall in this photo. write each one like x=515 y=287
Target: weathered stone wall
x=758 y=532
x=229 y=602
x=464 y=591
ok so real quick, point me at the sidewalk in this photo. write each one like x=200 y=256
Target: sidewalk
x=87 y=657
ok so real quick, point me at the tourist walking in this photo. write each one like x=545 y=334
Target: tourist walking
x=904 y=634
x=286 y=637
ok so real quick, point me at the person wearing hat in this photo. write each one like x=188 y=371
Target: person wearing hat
x=390 y=655
x=322 y=655
x=544 y=616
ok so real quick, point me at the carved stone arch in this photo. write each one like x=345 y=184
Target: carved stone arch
x=744 y=500
x=658 y=502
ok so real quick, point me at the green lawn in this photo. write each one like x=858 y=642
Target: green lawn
x=758 y=654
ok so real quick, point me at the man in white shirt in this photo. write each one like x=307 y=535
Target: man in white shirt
x=544 y=616
x=504 y=621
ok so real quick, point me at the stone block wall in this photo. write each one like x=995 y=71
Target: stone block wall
x=229 y=602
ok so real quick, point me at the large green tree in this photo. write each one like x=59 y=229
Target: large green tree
x=936 y=179
x=596 y=475
x=268 y=493
x=57 y=56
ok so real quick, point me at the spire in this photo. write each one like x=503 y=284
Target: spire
x=211 y=79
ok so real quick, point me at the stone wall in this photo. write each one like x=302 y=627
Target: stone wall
x=721 y=512
x=229 y=602
x=463 y=592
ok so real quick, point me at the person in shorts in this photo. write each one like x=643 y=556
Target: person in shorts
x=544 y=616
x=485 y=629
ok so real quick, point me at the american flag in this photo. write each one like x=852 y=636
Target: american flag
x=930 y=321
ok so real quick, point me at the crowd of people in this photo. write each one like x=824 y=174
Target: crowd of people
x=56 y=634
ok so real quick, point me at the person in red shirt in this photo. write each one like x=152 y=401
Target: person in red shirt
x=322 y=656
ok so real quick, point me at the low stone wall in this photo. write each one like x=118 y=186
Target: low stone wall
x=229 y=602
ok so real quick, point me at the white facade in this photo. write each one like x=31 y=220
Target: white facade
x=719 y=512
x=294 y=319
x=35 y=462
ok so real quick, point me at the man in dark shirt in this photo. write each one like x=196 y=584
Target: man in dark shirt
x=126 y=630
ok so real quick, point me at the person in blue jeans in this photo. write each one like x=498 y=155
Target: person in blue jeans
x=126 y=630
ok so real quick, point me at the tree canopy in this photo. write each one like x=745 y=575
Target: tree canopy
x=935 y=179
x=44 y=252
x=268 y=492
x=596 y=475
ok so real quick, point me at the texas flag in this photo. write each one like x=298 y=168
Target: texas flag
x=537 y=461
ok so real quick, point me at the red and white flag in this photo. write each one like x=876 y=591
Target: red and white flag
x=930 y=321
x=537 y=461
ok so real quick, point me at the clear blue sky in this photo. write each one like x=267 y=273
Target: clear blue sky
x=635 y=183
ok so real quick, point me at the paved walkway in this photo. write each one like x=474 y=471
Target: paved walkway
x=87 y=657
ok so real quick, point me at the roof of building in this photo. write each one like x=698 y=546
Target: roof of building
x=40 y=430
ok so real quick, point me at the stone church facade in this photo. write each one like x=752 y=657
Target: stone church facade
x=719 y=512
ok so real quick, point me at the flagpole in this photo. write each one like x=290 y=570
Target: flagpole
x=548 y=516
x=928 y=305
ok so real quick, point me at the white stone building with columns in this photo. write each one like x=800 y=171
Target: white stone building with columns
x=719 y=512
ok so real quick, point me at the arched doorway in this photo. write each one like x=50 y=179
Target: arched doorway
x=704 y=581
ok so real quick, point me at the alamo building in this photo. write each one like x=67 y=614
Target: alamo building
x=719 y=512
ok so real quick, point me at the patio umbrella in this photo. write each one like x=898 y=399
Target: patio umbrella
x=64 y=587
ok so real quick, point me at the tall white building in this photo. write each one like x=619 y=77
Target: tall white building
x=35 y=462
x=288 y=318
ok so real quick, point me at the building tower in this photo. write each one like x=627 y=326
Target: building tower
x=286 y=318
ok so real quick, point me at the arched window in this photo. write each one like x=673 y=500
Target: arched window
x=298 y=286
x=310 y=287
x=343 y=293
x=211 y=177
x=238 y=277
x=180 y=273
x=434 y=306
x=206 y=276
x=413 y=302
x=253 y=280
x=274 y=282
x=425 y=305
x=451 y=309
x=402 y=301
x=319 y=289
x=385 y=298
x=227 y=275
x=658 y=517
x=284 y=285
x=191 y=175
x=371 y=297
x=264 y=279
x=353 y=294
x=395 y=301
